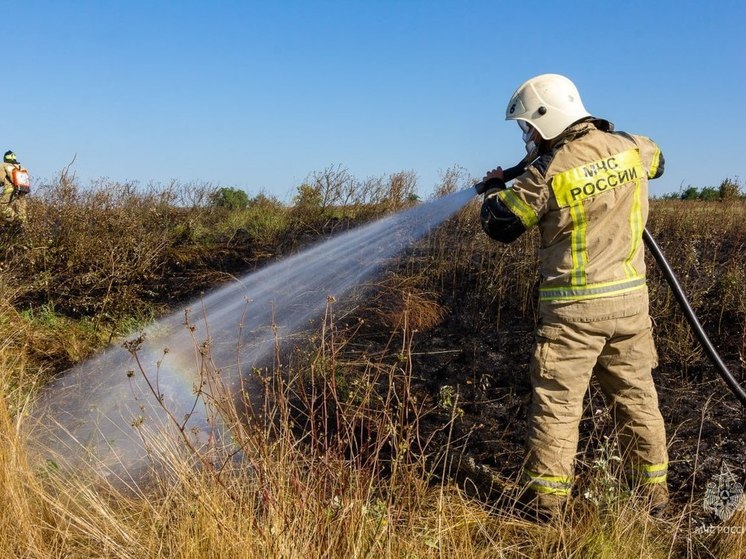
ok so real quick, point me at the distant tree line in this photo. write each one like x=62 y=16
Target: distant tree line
x=329 y=188
x=729 y=189
x=336 y=187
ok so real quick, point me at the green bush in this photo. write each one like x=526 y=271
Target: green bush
x=709 y=194
x=690 y=193
x=230 y=198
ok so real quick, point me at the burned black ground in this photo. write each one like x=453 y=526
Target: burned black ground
x=469 y=371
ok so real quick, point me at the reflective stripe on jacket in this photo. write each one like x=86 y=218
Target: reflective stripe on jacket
x=589 y=196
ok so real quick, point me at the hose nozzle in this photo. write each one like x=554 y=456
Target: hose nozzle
x=481 y=187
x=508 y=175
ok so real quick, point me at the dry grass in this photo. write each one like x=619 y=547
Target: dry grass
x=344 y=468
x=293 y=496
x=288 y=498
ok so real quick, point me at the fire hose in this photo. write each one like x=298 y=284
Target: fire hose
x=691 y=317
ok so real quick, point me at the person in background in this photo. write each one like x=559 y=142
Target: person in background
x=15 y=186
x=585 y=187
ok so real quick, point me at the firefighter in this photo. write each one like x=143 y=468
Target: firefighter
x=586 y=188
x=14 y=187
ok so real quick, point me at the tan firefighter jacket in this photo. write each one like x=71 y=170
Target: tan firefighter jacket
x=589 y=196
x=6 y=184
x=12 y=205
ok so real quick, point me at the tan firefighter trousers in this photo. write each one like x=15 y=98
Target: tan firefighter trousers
x=610 y=338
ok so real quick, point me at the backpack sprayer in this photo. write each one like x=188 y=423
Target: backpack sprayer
x=730 y=380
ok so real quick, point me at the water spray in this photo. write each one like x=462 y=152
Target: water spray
x=95 y=413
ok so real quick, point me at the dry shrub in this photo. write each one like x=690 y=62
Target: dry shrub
x=452 y=179
x=96 y=251
x=704 y=243
x=398 y=303
x=113 y=250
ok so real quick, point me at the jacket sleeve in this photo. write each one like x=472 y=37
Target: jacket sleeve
x=510 y=212
x=659 y=163
x=498 y=221
x=651 y=155
x=6 y=186
x=527 y=197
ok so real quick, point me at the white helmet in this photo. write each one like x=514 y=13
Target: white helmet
x=550 y=103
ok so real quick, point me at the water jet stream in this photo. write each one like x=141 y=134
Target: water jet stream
x=86 y=414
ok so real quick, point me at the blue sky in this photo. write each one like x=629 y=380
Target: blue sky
x=260 y=94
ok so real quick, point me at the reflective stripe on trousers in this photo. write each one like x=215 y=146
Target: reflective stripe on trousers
x=548 y=485
x=648 y=474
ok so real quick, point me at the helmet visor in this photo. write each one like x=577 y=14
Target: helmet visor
x=525 y=126
x=528 y=131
